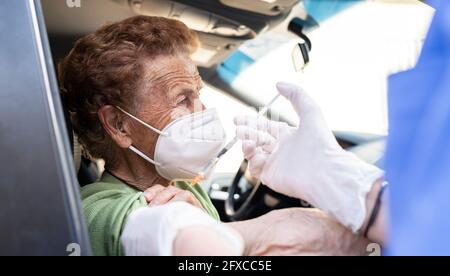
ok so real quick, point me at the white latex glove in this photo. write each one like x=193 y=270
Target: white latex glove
x=307 y=162
x=153 y=232
x=260 y=138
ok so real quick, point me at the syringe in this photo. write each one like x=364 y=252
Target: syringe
x=201 y=176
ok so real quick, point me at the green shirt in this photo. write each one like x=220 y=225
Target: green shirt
x=108 y=203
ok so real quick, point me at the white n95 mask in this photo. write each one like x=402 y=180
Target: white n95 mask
x=186 y=145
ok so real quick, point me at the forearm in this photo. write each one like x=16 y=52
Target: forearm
x=298 y=232
x=248 y=231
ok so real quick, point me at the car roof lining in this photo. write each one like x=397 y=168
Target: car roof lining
x=65 y=23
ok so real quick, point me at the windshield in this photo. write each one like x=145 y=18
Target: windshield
x=352 y=56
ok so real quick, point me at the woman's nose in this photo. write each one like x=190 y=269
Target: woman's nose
x=198 y=106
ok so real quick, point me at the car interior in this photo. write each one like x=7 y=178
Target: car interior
x=223 y=27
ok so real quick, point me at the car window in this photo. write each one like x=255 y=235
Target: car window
x=351 y=59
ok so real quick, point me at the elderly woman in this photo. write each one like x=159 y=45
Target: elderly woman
x=133 y=95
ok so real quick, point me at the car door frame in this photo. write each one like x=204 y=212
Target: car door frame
x=40 y=207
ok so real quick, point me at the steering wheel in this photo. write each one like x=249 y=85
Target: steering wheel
x=246 y=197
x=240 y=201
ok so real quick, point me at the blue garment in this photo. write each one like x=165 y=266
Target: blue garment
x=418 y=154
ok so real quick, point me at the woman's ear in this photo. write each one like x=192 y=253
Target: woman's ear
x=114 y=124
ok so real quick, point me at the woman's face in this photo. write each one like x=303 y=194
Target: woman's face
x=170 y=89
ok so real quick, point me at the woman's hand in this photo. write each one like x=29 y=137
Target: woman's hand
x=159 y=195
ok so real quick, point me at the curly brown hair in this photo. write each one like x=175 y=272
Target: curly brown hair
x=105 y=68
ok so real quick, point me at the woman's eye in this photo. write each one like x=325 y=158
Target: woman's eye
x=184 y=101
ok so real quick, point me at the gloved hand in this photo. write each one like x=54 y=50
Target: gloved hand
x=260 y=138
x=307 y=162
x=157 y=231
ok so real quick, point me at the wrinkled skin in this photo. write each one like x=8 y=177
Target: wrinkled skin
x=299 y=232
x=169 y=89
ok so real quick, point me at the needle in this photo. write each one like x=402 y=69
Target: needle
x=201 y=176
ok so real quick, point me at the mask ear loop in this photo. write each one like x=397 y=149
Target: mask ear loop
x=142 y=122
x=145 y=157
x=134 y=149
